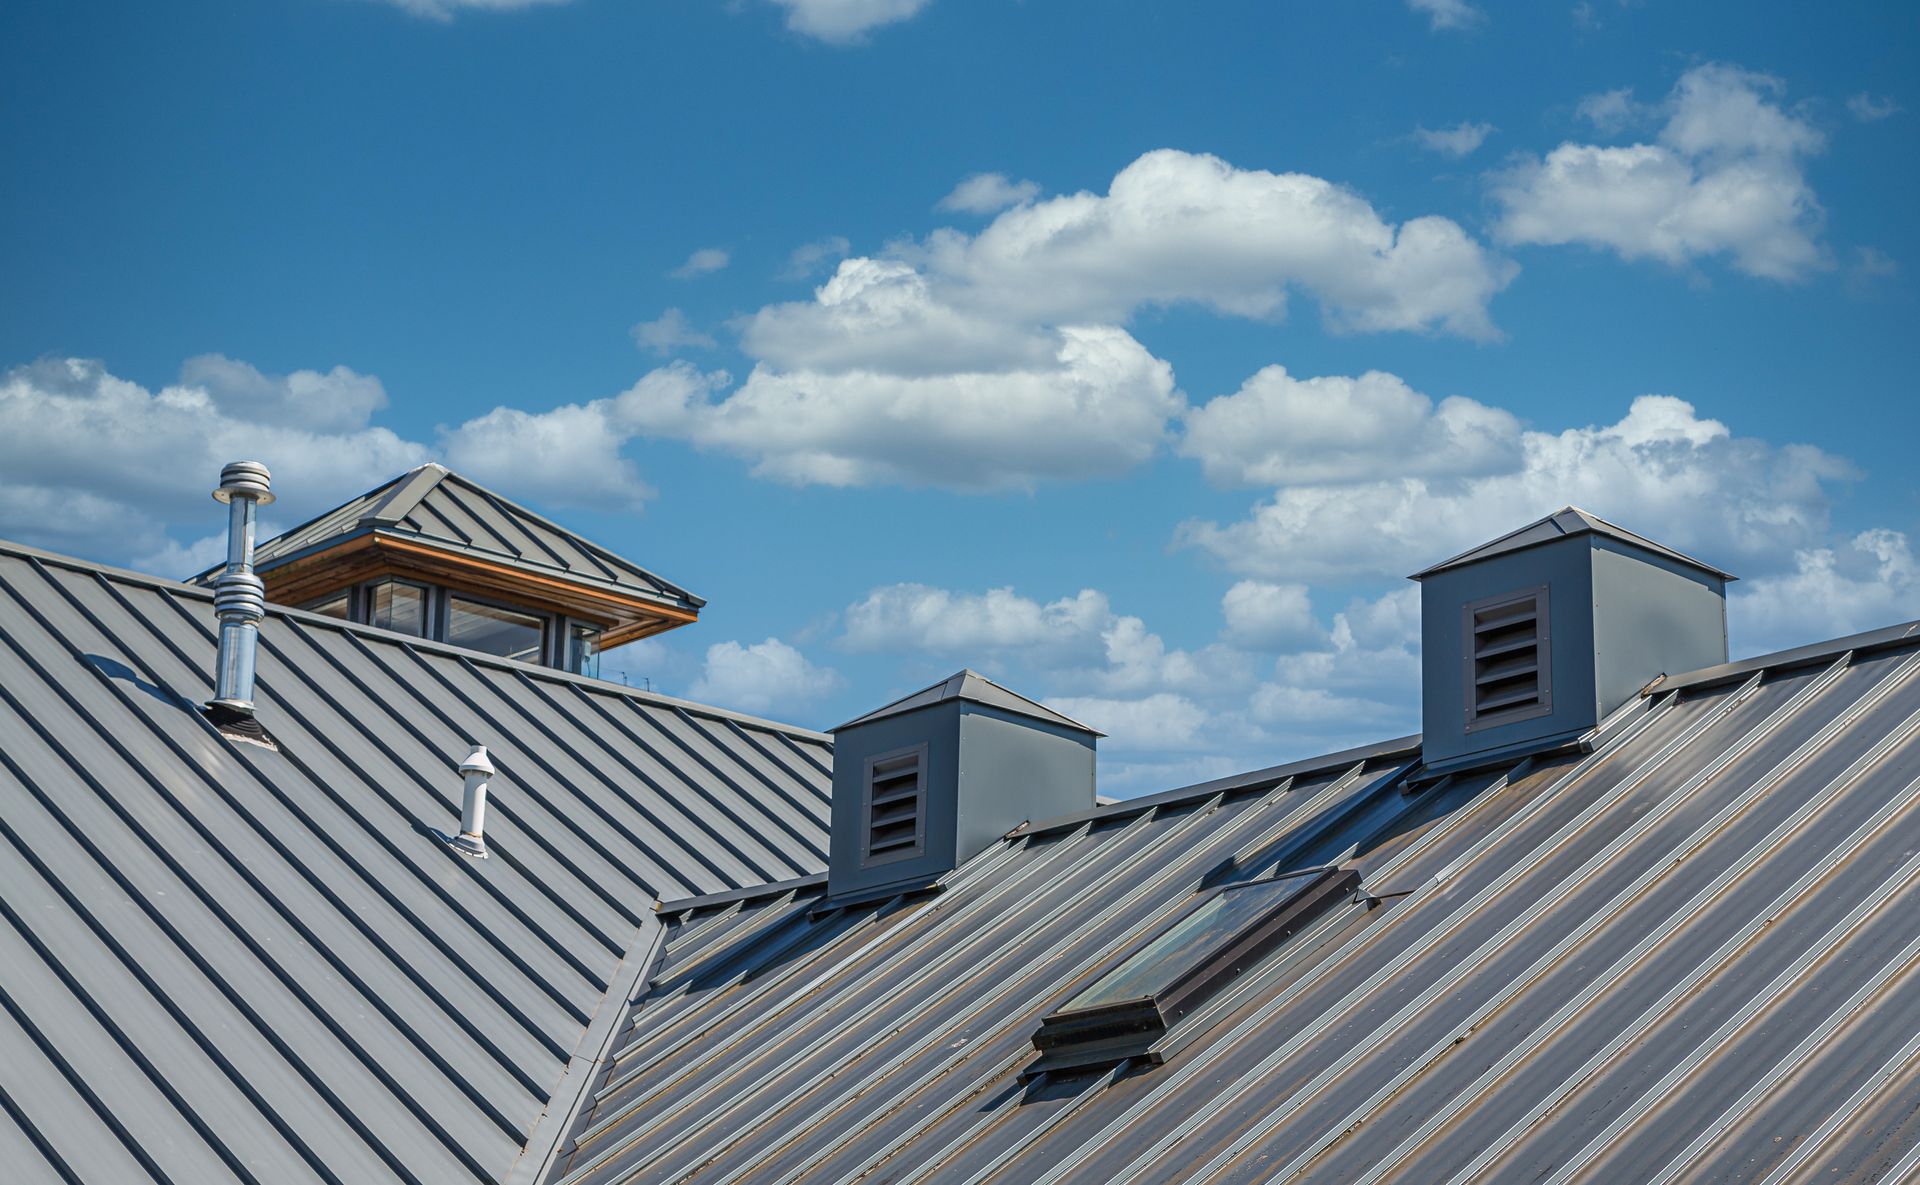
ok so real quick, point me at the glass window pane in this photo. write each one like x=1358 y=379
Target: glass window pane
x=333 y=606
x=396 y=606
x=492 y=629
x=1188 y=942
x=583 y=651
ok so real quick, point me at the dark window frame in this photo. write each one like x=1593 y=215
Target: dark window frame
x=429 y=604
x=1107 y=1033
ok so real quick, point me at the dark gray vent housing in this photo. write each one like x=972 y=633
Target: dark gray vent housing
x=1531 y=640
x=937 y=776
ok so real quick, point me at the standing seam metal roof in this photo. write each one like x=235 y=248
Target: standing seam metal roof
x=228 y=963
x=1693 y=954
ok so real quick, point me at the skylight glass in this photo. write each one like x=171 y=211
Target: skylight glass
x=1171 y=975
x=1160 y=964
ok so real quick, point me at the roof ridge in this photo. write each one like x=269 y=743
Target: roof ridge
x=409 y=490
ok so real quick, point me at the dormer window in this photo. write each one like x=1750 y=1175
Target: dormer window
x=496 y=629
x=399 y=606
x=482 y=624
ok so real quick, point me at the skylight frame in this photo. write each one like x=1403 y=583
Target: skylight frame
x=1102 y=1034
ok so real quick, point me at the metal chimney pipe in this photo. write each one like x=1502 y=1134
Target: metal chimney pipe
x=239 y=598
x=473 y=805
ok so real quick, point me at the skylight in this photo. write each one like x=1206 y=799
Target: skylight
x=1169 y=976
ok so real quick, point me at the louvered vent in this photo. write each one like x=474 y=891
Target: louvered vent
x=1508 y=667
x=896 y=804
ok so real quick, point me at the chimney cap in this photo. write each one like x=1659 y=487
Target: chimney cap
x=1563 y=523
x=245 y=478
x=974 y=687
x=477 y=762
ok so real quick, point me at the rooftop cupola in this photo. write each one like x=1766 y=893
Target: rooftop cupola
x=931 y=779
x=435 y=555
x=1529 y=641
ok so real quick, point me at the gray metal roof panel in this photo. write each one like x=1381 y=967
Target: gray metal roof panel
x=434 y=504
x=973 y=687
x=1562 y=523
x=1641 y=963
x=233 y=963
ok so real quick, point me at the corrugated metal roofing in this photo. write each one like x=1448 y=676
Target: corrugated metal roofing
x=228 y=963
x=1568 y=520
x=971 y=685
x=434 y=505
x=1690 y=955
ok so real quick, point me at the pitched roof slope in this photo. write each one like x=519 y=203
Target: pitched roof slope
x=1567 y=521
x=433 y=504
x=972 y=686
x=227 y=963
x=1691 y=955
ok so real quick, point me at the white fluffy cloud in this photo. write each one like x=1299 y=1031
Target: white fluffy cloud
x=670 y=331
x=909 y=618
x=1724 y=177
x=1447 y=14
x=103 y=467
x=95 y=464
x=1870 y=581
x=1158 y=722
x=986 y=193
x=809 y=259
x=1080 y=642
x=1611 y=111
x=1460 y=140
x=1172 y=714
x=1185 y=228
x=1661 y=469
x=444 y=10
x=998 y=360
x=768 y=676
x=703 y=262
x=884 y=316
x=1263 y=616
x=876 y=381
x=1872 y=109
x=844 y=22
x=1280 y=430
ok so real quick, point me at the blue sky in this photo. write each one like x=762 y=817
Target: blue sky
x=917 y=333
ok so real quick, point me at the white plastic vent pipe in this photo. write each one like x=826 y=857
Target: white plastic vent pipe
x=478 y=771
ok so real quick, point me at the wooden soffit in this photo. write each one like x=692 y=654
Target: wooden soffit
x=624 y=618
